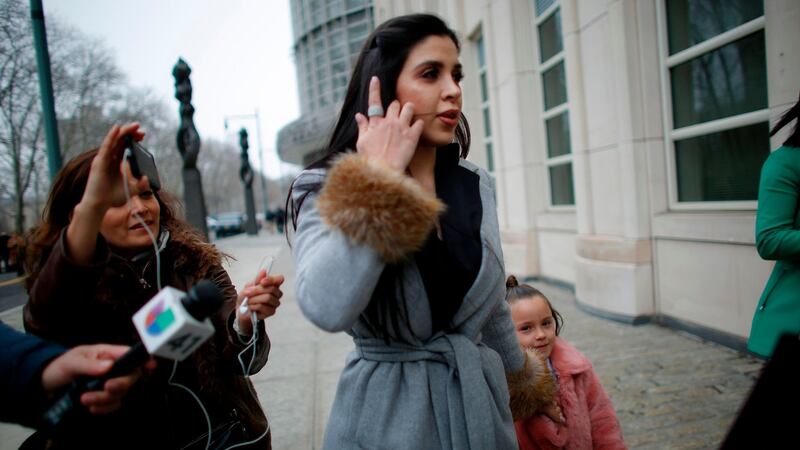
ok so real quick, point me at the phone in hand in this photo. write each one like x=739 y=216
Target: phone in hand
x=143 y=163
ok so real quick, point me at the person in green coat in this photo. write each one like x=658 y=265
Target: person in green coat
x=778 y=239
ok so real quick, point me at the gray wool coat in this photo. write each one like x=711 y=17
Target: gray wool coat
x=437 y=391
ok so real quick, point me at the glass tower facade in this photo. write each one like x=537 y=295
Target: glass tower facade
x=328 y=35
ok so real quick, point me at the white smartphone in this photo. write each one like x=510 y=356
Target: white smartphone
x=269 y=260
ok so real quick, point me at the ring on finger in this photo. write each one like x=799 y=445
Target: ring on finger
x=375 y=111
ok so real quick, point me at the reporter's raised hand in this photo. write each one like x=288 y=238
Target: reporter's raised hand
x=104 y=185
x=391 y=139
x=93 y=361
x=104 y=189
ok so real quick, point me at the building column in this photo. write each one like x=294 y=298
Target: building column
x=613 y=249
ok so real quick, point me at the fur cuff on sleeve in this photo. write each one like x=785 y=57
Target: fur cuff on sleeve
x=377 y=206
x=532 y=388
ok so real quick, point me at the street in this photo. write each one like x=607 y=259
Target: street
x=670 y=389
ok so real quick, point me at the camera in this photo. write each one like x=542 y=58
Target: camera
x=143 y=163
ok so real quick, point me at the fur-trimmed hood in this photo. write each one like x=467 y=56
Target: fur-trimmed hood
x=184 y=257
x=186 y=250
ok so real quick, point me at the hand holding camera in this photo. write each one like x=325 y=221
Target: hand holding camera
x=110 y=175
x=104 y=186
x=142 y=163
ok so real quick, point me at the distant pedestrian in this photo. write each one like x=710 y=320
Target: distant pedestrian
x=589 y=417
x=4 y=239
x=269 y=221
x=280 y=218
x=15 y=245
x=778 y=239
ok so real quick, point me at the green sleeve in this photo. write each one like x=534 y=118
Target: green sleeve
x=776 y=234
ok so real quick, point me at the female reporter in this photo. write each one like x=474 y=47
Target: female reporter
x=397 y=243
x=93 y=264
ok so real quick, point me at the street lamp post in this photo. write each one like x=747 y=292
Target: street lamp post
x=260 y=153
x=45 y=88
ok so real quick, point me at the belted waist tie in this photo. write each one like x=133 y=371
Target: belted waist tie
x=464 y=359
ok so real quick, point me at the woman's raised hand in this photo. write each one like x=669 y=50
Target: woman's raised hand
x=104 y=186
x=103 y=190
x=391 y=139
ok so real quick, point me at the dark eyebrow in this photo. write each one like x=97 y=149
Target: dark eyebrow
x=431 y=63
x=436 y=64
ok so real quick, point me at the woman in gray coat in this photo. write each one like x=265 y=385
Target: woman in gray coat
x=397 y=243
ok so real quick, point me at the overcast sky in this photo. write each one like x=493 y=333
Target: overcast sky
x=240 y=52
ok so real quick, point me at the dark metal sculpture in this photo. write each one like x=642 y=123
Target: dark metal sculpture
x=246 y=174
x=189 y=147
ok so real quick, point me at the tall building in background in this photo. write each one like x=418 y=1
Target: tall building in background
x=328 y=34
x=626 y=139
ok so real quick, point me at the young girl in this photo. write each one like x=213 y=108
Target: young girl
x=590 y=421
x=418 y=285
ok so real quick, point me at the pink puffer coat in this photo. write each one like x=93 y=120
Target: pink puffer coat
x=591 y=422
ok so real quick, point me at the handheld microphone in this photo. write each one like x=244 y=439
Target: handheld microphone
x=171 y=325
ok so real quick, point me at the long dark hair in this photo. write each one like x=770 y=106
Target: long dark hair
x=792 y=114
x=383 y=55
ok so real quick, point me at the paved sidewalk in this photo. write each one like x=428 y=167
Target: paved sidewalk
x=298 y=383
x=12 y=291
x=670 y=389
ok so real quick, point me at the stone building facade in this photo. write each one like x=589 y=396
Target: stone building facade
x=626 y=138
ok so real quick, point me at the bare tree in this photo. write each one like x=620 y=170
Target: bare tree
x=20 y=120
x=86 y=82
x=90 y=93
x=219 y=164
